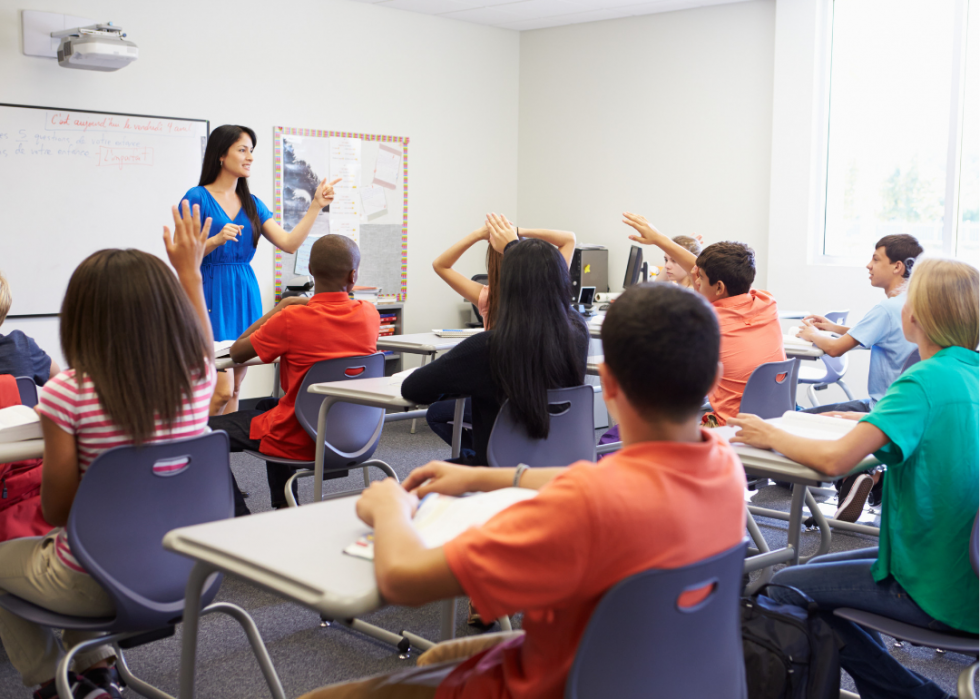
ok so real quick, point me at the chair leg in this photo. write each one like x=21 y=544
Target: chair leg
x=811 y=395
x=254 y=640
x=504 y=622
x=134 y=682
x=367 y=477
x=964 y=685
x=290 y=499
x=382 y=466
x=845 y=389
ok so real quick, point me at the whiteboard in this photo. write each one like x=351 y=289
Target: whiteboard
x=74 y=182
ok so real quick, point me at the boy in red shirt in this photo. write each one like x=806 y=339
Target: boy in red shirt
x=672 y=496
x=300 y=332
x=750 y=332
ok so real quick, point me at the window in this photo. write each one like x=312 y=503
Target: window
x=902 y=140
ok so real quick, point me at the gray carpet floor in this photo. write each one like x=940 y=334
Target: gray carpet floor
x=308 y=656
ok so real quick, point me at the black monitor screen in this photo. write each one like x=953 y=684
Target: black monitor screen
x=633 y=267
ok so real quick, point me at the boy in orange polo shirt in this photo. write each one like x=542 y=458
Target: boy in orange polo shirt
x=591 y=525
x=300 y=332
x=750 y=332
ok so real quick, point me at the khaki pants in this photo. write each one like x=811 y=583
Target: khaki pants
x=421 y=681
x=30 y=569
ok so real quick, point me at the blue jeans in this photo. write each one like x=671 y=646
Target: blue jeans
x=862 y=405
x=844 y=580
x=438 y=417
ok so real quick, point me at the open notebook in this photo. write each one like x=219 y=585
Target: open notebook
x=222 y=348
x=18 y=422
x=441 y=518
x=813 y=426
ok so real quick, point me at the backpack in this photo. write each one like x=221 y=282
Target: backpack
x=790 y=651
x=20 y=484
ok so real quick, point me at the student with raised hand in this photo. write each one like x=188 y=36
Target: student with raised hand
x=672 y=271
x=750 y=332
x=240 y=218
x=555 y=556
x=880 y=330
x=485 y=298
x=926 y=429
x=107 y=399
x=300 y=332
x=537 y=342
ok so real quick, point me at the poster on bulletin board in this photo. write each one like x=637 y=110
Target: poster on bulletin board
x=370 y=205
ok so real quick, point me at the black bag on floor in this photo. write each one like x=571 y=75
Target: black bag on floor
x=790 y=652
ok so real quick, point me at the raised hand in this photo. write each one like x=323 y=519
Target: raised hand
x=230 y=232
x=440 y=477
x=501 y=231
x=185 y=247
x=325 y=193
x=648 y=235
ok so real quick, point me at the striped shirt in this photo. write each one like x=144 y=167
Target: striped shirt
x=74 y=407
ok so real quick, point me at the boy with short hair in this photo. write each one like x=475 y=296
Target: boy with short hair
x=750 y=332
x=19 y=354
x=300 y=332
x=880 y=330
x=554 y=556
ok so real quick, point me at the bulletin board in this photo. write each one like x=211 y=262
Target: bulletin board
x=371 y=203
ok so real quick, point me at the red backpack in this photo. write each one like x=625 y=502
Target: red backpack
x=20 y=484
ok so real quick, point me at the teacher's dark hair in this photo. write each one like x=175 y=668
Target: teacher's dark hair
x=537 y=336
x=220 y=140
x=127 y=325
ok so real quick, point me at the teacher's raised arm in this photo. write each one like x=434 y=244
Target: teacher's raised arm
x=291 y=241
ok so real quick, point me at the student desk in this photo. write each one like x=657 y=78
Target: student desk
x=272 y=551
x=383 y=392
x=765 y=463
x=18 y=451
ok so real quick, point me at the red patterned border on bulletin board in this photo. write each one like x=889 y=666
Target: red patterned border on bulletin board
x=277 y=134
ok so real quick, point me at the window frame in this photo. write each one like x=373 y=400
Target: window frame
x=954 y=149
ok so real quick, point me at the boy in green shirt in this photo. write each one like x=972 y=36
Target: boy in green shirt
x=927 y=429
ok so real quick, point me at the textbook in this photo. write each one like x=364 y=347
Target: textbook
x=813 y=425
x=222 y=348
x=441 y=518
x=456 y=332
x=18 y=422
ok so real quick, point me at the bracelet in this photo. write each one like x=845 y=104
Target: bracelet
x=521 y=468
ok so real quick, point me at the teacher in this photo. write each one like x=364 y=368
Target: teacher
x=238 y=217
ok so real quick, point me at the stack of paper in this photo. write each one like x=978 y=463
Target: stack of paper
x=456 y=332
x=441 y=518
x=18 y=422
x=222 y=348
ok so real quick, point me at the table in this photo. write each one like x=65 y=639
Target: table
x=272 y=550
x=18 y=451
x=765 y=463
x=425 y=344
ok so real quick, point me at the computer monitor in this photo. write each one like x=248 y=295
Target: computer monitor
x=634 y=267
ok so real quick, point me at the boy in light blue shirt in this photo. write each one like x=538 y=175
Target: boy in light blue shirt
x=881 y=332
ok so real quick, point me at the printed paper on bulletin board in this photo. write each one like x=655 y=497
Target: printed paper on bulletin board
x=371 y=205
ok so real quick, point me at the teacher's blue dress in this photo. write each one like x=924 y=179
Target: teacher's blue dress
x=231 y=290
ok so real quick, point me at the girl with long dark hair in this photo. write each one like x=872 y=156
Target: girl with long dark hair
x=239 y=218
x=485 y=298
x=538 y=342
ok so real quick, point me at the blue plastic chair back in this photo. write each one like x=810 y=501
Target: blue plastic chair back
x=571 y=435
x=914 y=358
x=129 y=498
x=641 y=643
x=28 y=391
x=353 y=431
x=836 y=366
x=765 y=394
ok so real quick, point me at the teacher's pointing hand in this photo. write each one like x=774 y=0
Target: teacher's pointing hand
x=325 y=192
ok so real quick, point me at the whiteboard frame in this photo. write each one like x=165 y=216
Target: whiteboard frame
x=92 y=111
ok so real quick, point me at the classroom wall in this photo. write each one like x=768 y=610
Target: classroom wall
x=451 y=86
x=668 y=115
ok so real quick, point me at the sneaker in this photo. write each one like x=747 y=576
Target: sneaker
x=874 y=499
x=87 y=686
x=474 y=619
x=853 y=496
x=105 y=679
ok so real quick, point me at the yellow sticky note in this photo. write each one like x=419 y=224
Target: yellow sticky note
x=588 y=268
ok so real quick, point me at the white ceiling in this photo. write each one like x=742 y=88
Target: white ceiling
x=537 y=14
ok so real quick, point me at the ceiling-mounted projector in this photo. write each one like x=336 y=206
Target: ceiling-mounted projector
x=98 y=47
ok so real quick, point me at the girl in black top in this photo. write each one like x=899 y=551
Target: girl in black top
x=538 y=342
